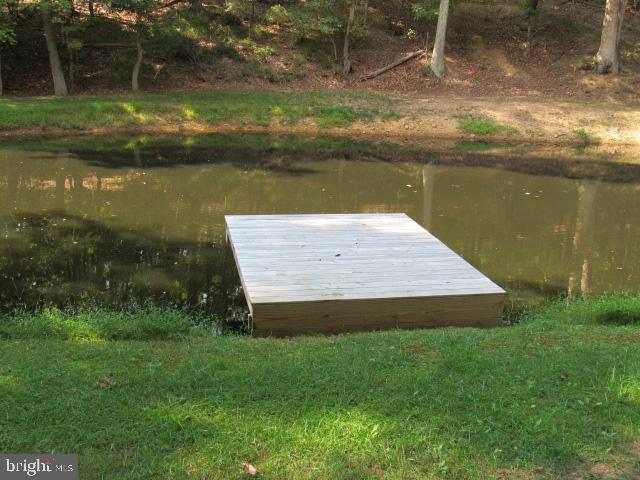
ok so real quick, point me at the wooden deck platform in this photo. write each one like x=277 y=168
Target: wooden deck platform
x=334 y=273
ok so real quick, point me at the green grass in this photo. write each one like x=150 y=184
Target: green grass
x=582 y=134
x=553 y=395
x=484 y=126
x=96 y=324
x=261 y=108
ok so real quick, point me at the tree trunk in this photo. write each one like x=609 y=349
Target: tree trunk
x=136 y=66
x=70 y=54
x=59 y=84
x=91 y=12
x=532 y=10
x=365 y=14
x=71 y=71
x=608 y=57
x=251 y=20
x=394 y=64
x=346 y=63
x=438 y=67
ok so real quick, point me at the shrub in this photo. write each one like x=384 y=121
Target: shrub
x=583 y=135
x=264 y=52
x=278 y=15
x=585 y=62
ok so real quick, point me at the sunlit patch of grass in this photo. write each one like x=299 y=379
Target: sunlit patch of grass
x=479 y=126
x=190 y=114
x=341 y=116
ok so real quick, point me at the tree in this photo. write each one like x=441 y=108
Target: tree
x=73 y=31
x=530 y=11
x=135 y=74
x=319 y=19
x=147 y=24
x=425 y=14
x=7 y=34
x=608 y=56
x=142 y=11
x=330 y=20
x=59 y=83
x=346 y=63
x=438 y=66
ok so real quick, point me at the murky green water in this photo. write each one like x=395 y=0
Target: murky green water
x=127 y=221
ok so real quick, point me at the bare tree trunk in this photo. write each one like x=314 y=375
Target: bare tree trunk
x=71 y=63
x=365 y=14
x=346 y=63
x=394 y=64
x=136 y=66
x=91 y=12
x=608 y=56
x=252 y=18
x=71 y=70
x=531 y=12
x=438 y=66
x=59 y=84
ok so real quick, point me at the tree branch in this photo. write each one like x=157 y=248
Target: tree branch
x=386 y=68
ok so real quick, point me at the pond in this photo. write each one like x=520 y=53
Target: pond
x=129 y=221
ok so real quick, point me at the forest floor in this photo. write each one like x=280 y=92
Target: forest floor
x=371 y=115
x=487 y=56
x=144 y=395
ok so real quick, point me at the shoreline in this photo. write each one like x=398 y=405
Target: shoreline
x=393 y=118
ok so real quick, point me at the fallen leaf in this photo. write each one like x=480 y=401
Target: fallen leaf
x=250 y=469
x=105 y=382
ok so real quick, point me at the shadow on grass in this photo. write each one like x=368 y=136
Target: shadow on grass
x=619 y=317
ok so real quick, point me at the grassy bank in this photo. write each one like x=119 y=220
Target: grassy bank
x=556 y=395
x=190 y=110
x=353 y=113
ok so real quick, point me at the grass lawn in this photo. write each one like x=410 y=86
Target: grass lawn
x=250 y=108
x=558 y=394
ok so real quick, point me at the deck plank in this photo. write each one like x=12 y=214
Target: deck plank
x=324 y=273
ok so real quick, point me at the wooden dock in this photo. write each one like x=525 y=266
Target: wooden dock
x=334 y=273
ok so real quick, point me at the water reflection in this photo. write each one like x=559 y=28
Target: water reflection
x=132 y=220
